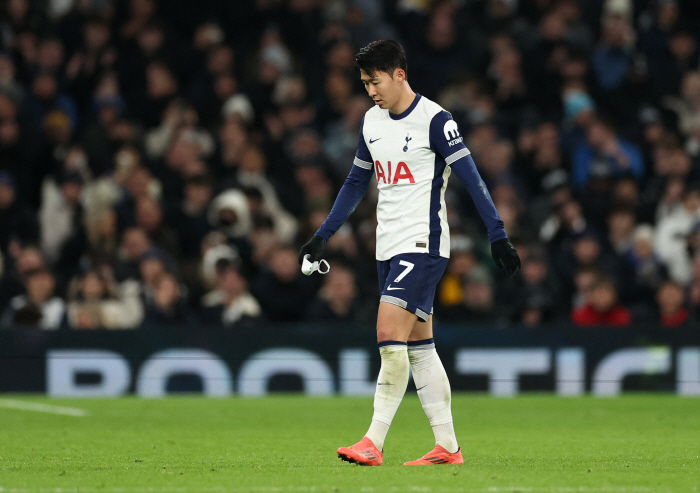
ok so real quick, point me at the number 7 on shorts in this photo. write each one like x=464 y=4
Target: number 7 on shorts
x=409 y=267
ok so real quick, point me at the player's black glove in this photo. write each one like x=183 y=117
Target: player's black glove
x=314 y=247
x=506 y=256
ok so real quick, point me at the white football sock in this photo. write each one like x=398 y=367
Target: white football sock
x=391 y=386
x=434 y=391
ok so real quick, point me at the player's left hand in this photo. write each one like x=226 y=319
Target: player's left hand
x=506 y=256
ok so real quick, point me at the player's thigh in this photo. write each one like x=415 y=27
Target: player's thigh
x=409 y=281
x=394 y=323
x=422 y=330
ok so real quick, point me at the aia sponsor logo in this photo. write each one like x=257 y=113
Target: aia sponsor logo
x=401 y=173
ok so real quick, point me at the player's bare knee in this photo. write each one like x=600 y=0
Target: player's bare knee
x=387 y=335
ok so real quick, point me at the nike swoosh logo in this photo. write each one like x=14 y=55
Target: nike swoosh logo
x=373 y=141
x=424 y=386
x=389 y=288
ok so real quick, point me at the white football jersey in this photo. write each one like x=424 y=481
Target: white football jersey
x=410 y=154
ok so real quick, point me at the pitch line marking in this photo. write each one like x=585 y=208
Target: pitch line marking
x=283 y=489
x=43 y=408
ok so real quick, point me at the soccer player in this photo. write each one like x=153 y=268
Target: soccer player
x=411 y=145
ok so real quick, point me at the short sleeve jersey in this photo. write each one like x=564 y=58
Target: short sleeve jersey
x=411 y=155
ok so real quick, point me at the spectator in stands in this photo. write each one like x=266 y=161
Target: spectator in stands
x=183 y=159
x=178 y=116
x=602 y=308
x=512 y=212
x=684 y=50
x=566 y=222
x=188 y=219
x=316 y=187
x=584 y=278
x=541 y=154
x=61 y=216
x=45 y=98
x=138 y=183
x=215 y=82
x=687 y=107
x=654 y=44
x=478 y=305
x=579 y=112
x=18 y=223
x=439 y=54
x=462 y=261
x=339 y=299
x=665 y=191
x=233 y=140
x=283 y=291
x=106 y=129
x=230 y=302
x=90 y=60
x=670 y=299
x=621 y=223
x=140 y=12
x=161 y=89
x=96 y=301
x=19 y=263
x=535 y=298
x=134 y=246
x=229 y=213
x=168 y=307
x=263 y=202
x=50 y=55
x=102 y=236
x=340 y=143
x=19 y=153
x=672 y=231
x=649 y=271
x=214 y=248
x=10 y=88
x=605 y=154
x=149 y=217
x=613 y=56
x=587 y=250
x=39 y=307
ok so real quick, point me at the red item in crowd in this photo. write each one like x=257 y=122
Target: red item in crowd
x=587 y=316
x=674 y=320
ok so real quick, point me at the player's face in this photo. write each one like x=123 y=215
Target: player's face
x=383 y=88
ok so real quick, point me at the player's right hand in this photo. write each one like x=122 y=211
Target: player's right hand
x=313 y=248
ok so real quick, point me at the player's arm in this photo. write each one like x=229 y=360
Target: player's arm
x=446 y=140
x=346 y=202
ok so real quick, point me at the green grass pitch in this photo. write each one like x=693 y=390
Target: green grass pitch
x=287 y=443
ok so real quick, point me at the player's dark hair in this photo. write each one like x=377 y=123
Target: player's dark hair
x=385 y=55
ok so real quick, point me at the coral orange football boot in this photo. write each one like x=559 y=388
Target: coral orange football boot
x=363 y=453
x=438 y=456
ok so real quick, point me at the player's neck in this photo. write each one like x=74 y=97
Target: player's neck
x=404 y=102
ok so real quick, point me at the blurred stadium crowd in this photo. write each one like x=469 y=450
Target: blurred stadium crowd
x=161 y=162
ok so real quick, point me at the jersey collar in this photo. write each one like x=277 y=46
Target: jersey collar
x=407 y=111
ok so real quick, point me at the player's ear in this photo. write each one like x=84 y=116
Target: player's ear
x=399 y=75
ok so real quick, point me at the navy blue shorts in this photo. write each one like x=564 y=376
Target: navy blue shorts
x=409 y=281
